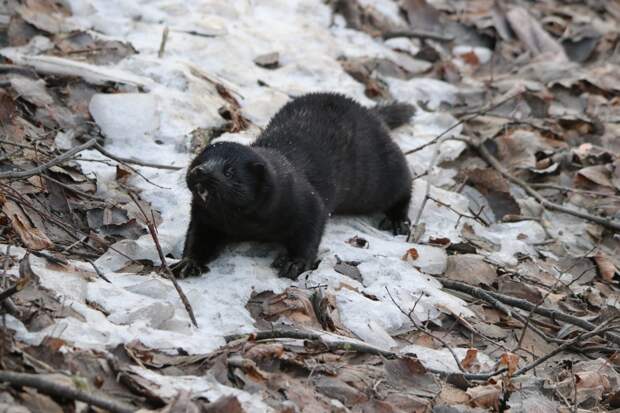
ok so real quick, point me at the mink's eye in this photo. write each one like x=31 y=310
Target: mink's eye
x=228 y=172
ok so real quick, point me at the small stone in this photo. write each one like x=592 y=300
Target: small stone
x=268 y=61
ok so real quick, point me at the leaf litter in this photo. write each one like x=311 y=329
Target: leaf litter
x=506 y=298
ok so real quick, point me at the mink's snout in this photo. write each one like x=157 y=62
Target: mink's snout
x=198 y=180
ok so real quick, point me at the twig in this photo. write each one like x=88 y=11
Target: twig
x=525 y=305
x=98 y=271
x=168 y=274
x=418 y=35
x=348 y=345
x=599 y=330
x=576 y=190
x=555 y=284
x=465 y=119
x=423 y=329
x=138 y=162
x=491 y=160
x=162 y=45
x=74 y=190
x=194 y=33
x=61 y=158
x=51 y=388
x=475 y=217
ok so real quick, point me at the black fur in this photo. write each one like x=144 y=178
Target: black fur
x=322 y=153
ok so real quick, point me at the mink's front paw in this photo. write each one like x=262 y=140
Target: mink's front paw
x=188 y=267
x=290 y=267
x=398 y=227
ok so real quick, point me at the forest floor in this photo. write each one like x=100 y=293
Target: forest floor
x=505 y=297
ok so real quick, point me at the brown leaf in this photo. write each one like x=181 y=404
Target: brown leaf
x=265 y=351
x=511 y=361
x=494 y=187
x=486 y=396
x=470 y=58
x=439 y=241
x=470 y=268
x=123 y=173
x=598 y=174
x=32 y=237
x=225 y=404
x=411 y=255
x=37 y=402
x=7 y=108
x=520 y=289
x=470 y=358
x=293 y=304
x=530 y=32
x=606 y=267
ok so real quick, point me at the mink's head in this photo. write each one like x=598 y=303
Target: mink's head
x=227 y=175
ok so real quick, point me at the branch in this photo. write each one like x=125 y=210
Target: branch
x=61 y=158
x=168 y=274
x=122 y=160
x=347 y=344
x=599 y=330
x=417 y=34
x=473 y=116
x=51 y=388
x=491 y=160
x=425 y=330
x=525 y=305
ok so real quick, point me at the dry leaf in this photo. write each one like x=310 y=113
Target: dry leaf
x=511 y=361
x=485 y=396
x=411 y=255
x=606 y=267
x=470 y=358
x=32 y=237
x=470 y=268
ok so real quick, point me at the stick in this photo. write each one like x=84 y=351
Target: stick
x=346 y=344
x=61 y=158
x=599 y=330
x=168 y=274
x=162 y=45
x=98 y=271
x=425 y=330
x=418 y=35
x=120 y=159
x=525 y=305
x=491 y=160
x=465 y=119
x=60 y=390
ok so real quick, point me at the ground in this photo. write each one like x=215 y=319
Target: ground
x=504 y=297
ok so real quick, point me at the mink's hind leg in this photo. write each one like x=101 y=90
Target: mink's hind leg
x=202 y=243
x=396 y=217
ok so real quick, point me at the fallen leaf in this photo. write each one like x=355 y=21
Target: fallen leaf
x=470 y=268
x=32 y=237
x=511 y=361
x=469 y=359
x=411 y=255
x=606 y=267
x=486 y=396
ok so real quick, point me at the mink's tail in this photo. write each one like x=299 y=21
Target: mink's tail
x=394 y=114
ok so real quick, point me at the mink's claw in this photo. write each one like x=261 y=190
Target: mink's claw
x=398 y=227
x=188 y=267
x=291 y=268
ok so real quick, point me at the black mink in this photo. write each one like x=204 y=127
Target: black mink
x=322 y=153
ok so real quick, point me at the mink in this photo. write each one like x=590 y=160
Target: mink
x=321 y=153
